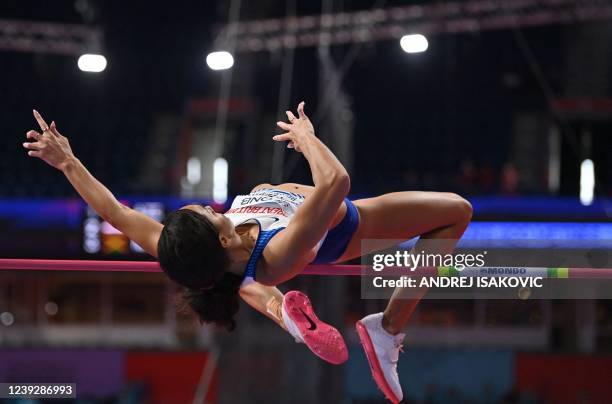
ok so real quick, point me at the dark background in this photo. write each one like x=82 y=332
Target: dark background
x=420 y=121
x=475 y=115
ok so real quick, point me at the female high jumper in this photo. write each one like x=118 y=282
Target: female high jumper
x=270 y=235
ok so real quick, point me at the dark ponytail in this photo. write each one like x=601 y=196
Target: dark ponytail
x=217 y=305
x=191 y=254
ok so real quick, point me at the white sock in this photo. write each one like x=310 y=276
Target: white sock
x=291 y=326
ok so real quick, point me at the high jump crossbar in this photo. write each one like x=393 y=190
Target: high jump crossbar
x=325 y=270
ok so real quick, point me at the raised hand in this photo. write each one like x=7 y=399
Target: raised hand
x=49 y=146
x=298 y=129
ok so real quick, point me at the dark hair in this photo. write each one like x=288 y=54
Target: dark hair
x=190 y=253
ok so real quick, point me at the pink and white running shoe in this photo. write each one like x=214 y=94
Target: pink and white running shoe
x=302 y=323
x=382 y=350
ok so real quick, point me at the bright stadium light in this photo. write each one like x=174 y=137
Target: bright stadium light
x=194 y=170
x=92 y=63
x=587 y=182
x=414 y=43
x=220 y=168
x=221 y=60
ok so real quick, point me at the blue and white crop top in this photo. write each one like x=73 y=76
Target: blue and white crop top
x=272 y=210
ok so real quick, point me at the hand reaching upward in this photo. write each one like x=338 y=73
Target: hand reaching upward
x=49 y=146
x=298 y=129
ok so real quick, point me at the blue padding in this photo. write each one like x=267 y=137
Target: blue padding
x=540 y=207
x=534 y=235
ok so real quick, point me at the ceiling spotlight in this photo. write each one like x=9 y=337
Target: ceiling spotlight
x=414 y=43
x=92 y=63
x=221 y=60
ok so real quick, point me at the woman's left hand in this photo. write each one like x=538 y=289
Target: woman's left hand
x=49 y=146
x=297 y=130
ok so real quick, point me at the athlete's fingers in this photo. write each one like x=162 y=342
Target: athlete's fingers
x=41 y=122
x=33 y=145
x=290 y=116
x=34 y=153
x=54 y=130
x=32 y=134
x=290 y=145
x=283 y=137
x=301 y=110
x=283 y=125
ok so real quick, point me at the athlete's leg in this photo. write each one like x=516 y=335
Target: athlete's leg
x=400 y=307
x=294 y=313
x=402 y=216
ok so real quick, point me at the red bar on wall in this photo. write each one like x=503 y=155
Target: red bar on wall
x=169 y=377
x=564 y=379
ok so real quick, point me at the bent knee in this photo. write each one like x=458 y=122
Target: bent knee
x=461 y=207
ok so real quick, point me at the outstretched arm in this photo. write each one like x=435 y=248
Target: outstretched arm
x=53 y=148
x=313 y=218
